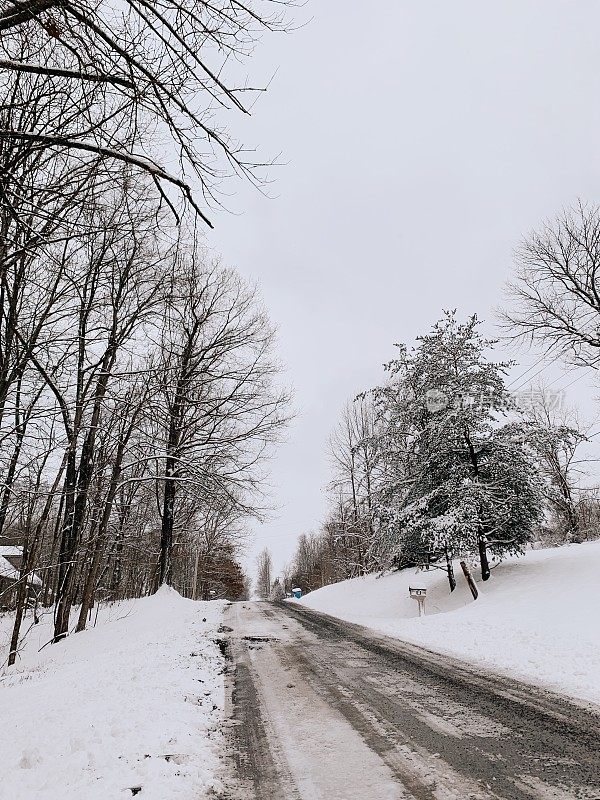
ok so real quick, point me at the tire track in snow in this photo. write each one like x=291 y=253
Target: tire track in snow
x=350 y=715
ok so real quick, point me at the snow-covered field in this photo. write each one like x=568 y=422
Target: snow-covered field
x=134 y=702
x=538 y=617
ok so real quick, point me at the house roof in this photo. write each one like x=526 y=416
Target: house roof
x=8 y=571
x=10 y=550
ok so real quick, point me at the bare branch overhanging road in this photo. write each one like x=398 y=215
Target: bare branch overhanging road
x=324 y=710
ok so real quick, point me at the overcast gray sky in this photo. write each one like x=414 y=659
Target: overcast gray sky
x=422 y=139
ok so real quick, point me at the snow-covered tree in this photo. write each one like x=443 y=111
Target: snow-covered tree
x=277 y=591
x=457 y=482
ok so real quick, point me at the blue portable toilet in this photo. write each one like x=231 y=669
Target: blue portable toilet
x=297 y=593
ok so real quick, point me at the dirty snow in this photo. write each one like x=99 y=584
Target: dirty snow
x=136 y=701
x=537 y=618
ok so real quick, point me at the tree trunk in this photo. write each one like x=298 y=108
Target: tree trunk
x=20 y=427
x=450 y=570
x=483 y=558
x=90 y=584
x=76 y=490
x=166 y=532
x=51 y=574
x=67 y=552
x=196 y=574
x=168 y=512
x=21 y=603
x=63 y=607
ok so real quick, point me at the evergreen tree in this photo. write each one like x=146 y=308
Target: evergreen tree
x=457 y=482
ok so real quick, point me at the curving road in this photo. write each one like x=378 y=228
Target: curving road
x=324 y=710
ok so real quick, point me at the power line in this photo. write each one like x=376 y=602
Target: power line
x=533 y=366
x=546 y=365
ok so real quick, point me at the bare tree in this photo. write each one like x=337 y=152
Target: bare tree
x=138 y=392
x=41 y=202
x=112 y=281
x=137 y=67
x=354 y=457
x=264 y=569
x=557 y=435
x=119 y=428
x=218 y=530
x=556 y=294
x=220 y=408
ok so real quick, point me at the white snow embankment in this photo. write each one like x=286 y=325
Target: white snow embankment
x=136 y=701
x=537 y=618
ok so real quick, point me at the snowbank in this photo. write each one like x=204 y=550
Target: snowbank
x=537 y=618
x=133 y=702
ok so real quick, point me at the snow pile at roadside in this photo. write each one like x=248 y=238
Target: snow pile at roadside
x=134 y=702
x=538 y=617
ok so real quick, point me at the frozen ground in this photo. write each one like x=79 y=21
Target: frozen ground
x=538 y=617
x=134 y=702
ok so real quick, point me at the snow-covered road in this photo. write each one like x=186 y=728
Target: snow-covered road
x=324 y=710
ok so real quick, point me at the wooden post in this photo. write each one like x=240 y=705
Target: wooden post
x=470 y=581
x=196 y=566
x=450 y=570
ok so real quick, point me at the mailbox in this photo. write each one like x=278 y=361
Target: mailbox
x=418 y=594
